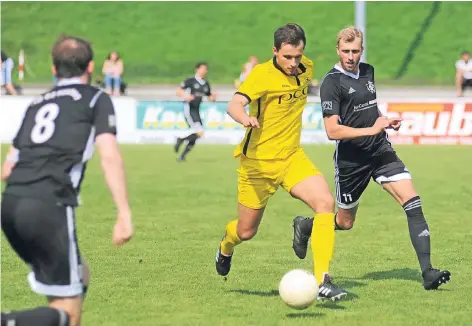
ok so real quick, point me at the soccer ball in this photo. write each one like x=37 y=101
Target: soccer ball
x=298 y=289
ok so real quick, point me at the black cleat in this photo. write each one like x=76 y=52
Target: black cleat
x=300 y=240
x=223 y=263
x=177 y=145
x=329 y=291
x=433 y=278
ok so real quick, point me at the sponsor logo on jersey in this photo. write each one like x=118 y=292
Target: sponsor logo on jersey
x=299 y=94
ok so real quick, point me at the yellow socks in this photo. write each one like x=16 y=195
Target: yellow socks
x=231 y=239
x=322 y=243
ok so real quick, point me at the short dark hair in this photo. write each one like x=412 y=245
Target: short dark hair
x=291 y=34
x=465 y=52
x=201 y=63
x=71 y=56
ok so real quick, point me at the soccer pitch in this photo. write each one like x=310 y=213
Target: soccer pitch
x=166 y=274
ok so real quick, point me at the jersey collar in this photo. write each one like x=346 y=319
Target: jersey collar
x=200 y=80
x=69 y=81
x=301 y=66
x=347 y=73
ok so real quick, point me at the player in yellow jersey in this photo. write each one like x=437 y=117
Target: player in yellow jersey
x=270 y=153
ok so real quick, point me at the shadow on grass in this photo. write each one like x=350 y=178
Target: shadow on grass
x=305 y=315
x=395 y=274
x=272 y=293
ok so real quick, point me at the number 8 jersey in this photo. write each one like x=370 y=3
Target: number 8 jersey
x=56 y=139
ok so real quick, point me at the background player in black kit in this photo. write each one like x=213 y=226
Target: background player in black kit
x=192 y=90
x=44 y=170
x=363 y=151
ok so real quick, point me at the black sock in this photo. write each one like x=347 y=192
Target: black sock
x=190 y=138
x=42 y=316
x=419 y=231
x=187 y=149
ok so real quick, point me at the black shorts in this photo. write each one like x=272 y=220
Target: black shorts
x=352 y=181
x=192 y=116
x=466 y=83
x=43 y=235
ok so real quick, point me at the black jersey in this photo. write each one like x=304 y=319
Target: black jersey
x=197 y=87
x=353 y=98
x=56 y=139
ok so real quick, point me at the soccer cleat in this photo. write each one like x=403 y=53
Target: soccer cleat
x=433 y=278
x=223 y=263
x=177 y=145
x=300 y=240
x=180 y=159
x=329 y=291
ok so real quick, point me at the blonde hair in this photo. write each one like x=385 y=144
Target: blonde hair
x=349 y=34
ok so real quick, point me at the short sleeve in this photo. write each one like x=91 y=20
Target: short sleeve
x=459 y=65
x=330 y=94
x=255 y=85
x=185 y=84
x=104 y=119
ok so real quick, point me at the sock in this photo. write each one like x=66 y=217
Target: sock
x=419 y=231
x=187 y=149
x=322 y=243
x=231 y=239
x=191 y=137
x=42 y=316
x=307 y=225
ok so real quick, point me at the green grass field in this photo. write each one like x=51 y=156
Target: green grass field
x=166 y=275
x=161 y=41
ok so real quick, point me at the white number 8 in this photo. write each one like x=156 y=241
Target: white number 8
x=44 y=123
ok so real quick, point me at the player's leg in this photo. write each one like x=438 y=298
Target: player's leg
x=350 y=183
x=396 y=180
x=34 y=231
x=254 y=190
x=195 y=122
x=305 y=182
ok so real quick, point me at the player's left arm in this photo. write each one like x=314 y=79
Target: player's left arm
x=210 y=94
x=10 y=161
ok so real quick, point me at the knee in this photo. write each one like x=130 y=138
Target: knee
x=324 y=204
x=246 y=234
x=345 y=224
x=200 y=134
x=71 y=306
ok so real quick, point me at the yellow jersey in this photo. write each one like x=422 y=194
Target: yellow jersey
x=277 y=100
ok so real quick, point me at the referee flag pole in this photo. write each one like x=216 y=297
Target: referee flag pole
x=360 y=23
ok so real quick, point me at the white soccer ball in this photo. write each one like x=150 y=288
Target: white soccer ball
x=298 y=289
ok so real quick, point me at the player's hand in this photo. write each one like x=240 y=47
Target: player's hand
x=189 y=98
x=212 y=97
x=123 y=230
x=250 y=122
x=395 y=123
x=381 y=124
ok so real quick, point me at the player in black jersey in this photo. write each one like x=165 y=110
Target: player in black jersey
x=43 y=172
x=192 y=90
x=363 y=151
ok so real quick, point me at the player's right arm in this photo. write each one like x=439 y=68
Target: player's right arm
x=10 y=161
x=113 y=167
x=250 y=90
x=182 y=93
x=330 y=93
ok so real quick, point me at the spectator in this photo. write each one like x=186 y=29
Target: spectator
x=463 y=73
x=7 y=67
x=112 y=70
x=246 y=69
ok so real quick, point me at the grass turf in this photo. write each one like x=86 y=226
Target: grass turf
x=161 y=41
x=166 y=275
